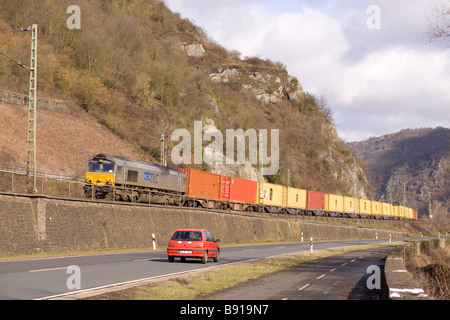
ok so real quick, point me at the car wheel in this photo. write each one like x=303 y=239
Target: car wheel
x=216 y=258
x=205 y=257
x=171 y=259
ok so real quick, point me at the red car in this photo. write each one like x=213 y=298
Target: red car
x=193 y=243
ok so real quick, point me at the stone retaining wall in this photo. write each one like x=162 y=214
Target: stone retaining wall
x=39 y=223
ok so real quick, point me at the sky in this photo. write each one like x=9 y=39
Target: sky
x=369 y=59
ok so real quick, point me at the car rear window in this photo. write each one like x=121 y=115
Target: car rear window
x=187 y=236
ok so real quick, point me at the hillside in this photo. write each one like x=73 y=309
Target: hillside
x=417 y=159
x=136 y=70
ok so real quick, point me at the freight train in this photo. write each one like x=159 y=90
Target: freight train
x=117 y=178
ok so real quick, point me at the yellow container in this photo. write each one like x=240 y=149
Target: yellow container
x=334 y=203
x=410 y=213
x=402 y=212
x=377 y=208
x=365 y=206
x=387 y=209
x=272 y=195
x=349 y=204
x=396 y=211
x=296 y=198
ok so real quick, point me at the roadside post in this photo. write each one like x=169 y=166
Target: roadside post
x=154 y=241
x=311 y=246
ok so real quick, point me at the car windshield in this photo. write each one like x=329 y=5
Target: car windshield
x=100 y=166
x=187 y=236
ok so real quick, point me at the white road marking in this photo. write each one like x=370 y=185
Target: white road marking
x=320 y=277
x=50 y=269
x=304 y=287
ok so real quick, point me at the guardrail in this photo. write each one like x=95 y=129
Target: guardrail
x=45 y=173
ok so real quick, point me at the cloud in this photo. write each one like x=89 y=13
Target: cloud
x=375 y=81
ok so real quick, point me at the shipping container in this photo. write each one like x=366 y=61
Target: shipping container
x=315 y=200
x=402 y=212
x=365 y=207
x=387 y=209
x=238 y=190
x=396 y=212
x=272 y=197
x=415 y=217
x=202 y=185
x=349 y=205
x=334 y=203
x=410 y=213
x=377 y=208
x=296 y=198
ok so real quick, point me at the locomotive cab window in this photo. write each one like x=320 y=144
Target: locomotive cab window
x=100 y=166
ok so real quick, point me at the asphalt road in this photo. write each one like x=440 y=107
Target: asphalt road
x=51 y=277
x=341 y=277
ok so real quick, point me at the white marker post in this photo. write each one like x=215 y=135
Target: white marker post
x=311 y=246
x=154 y=241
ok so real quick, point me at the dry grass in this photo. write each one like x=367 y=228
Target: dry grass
x=432 y=270
x=65 y=141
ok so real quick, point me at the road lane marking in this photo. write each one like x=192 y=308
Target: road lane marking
x=50 y=269
x=353 y=260
x=304 y=287
x=320 y=277
x=344 y=264
x=334 y=269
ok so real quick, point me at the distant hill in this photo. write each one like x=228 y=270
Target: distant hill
x=417 y=160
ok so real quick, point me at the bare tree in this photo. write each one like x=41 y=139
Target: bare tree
x=439 y=23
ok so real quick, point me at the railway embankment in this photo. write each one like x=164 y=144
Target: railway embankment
x=38 y=223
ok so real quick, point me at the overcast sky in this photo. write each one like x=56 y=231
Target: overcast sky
x=368 y=59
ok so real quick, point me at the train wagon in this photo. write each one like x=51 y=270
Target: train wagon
x=334 y=204
x=315 y=202
x=271 y=197
x=387 y=210
x=414 y=214
x=296 y=200
x=202 y=188
x=365 y=208
x=395 y=212
x=377 y=209
x=351 y=206
x=237 y=194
